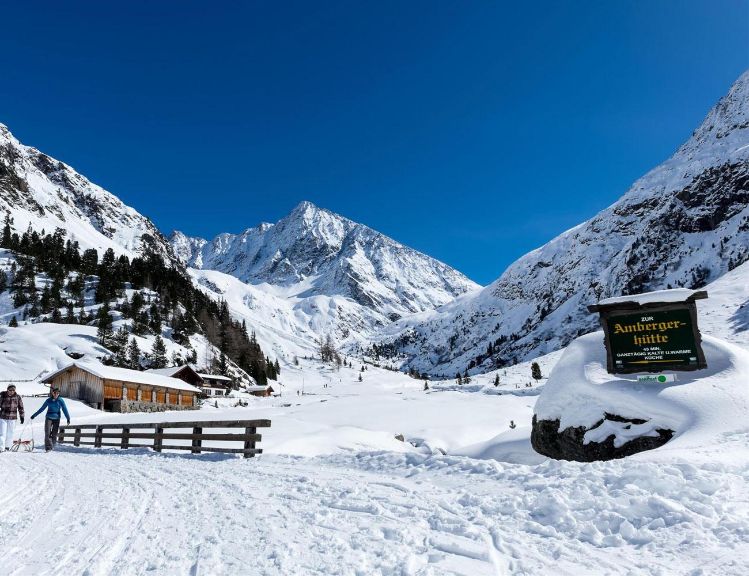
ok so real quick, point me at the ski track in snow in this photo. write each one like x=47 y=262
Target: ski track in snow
x=80 y=511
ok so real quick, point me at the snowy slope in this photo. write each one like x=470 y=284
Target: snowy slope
x=683 y=224
x=45 y=193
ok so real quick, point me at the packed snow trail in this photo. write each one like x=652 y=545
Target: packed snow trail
x=102 y=512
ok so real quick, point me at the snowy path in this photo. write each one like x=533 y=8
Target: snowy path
x=136 y=512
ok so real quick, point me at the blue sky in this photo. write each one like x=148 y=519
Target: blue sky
x=472 y=131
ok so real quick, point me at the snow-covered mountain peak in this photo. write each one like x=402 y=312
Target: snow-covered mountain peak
x=683 y=224
x=313 y=253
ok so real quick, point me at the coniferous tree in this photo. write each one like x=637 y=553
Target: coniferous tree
x=158 y=353
x=458 y=378
x=133 y=355
x=70 y=313
x=496 y=380
x=120 y=345
x=103 y=324
x=536 y=371
x=13 y=322
x=7 y=237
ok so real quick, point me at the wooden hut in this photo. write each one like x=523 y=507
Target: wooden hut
x=260 y=390
x=122 y=390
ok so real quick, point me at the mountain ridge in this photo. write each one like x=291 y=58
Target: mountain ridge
x=684 y=223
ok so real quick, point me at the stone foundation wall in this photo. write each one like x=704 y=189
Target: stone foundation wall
x=140 y=406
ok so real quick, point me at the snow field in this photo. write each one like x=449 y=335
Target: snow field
x=137 y=512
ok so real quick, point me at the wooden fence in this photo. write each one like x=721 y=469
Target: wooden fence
x=98 y=435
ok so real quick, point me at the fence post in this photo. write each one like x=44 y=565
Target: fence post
x=196 y=442
x=77 y=439
x=157 y=442
x=97 y=438
x=125 y=438
x=61 y=435
x=249 y=444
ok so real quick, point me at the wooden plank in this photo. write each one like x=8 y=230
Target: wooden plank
x=249 y=444
x=197 y=433
x=218 y=424
x=226 y=436
x=158 y=439
x=94 y=426
x=191 y=424
x=212 y=449
x=169 y=447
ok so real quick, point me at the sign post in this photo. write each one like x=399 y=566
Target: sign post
x=645 y=335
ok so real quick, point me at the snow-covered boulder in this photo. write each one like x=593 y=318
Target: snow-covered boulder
x=585 y=414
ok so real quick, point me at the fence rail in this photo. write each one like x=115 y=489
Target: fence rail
x=249 y=437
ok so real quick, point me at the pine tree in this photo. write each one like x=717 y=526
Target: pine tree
x=133 y=355
x=13 y=322
x=6 y=241
x=104 y=324
x=158 y=353
x=536 y=372
x=466 y=378
x=459 y=378
x=120 y=342
x=223 y=368
x=496 y=380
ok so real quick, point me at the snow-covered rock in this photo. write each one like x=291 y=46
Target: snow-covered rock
x=683 y=224
x=585 y=413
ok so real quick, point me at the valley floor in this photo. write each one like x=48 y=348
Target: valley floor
x=78 y=511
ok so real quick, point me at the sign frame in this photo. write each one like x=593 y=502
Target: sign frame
x=608 y=311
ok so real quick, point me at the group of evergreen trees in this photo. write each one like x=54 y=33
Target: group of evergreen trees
x=163 y=295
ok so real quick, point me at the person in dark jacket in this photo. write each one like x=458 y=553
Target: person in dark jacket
x=10 y=406
x=54 y=404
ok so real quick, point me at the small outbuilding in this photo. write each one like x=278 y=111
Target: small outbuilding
x=260 y=390
x=122 y=390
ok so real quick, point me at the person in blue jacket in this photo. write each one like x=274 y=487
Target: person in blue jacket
x=54 y=404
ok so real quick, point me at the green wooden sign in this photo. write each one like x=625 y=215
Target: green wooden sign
x=652 y=337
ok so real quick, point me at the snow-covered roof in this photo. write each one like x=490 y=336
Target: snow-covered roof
x=214 y=377
x=170 y=371
x=126 y=375
x=669 y=296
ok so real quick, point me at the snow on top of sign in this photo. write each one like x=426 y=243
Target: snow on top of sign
x=699 y=407
x=674 y=295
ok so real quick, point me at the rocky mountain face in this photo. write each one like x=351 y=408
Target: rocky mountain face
x=683 y=224
x=45 y=193
x=314 y=252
